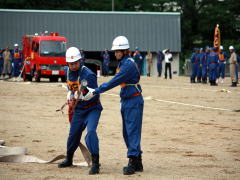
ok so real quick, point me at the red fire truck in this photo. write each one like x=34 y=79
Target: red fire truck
x=44 y=56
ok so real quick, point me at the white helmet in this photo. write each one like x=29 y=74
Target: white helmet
x=73 y=54
x=15 y=45
x=120 y=43
x=231 y=48
x=221 y=47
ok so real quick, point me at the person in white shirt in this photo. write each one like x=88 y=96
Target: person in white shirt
x=168 y=60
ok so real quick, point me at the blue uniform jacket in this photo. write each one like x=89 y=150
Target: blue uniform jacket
x=91 y=78
x=138 y=58
x=129 y=74
x=225 y=57
x=204 y=59
x=1 y=57
x=17 y=59
x=194 y=58
x=106 y=59
x=212 y=60
x=200 y=56
x=160 y=58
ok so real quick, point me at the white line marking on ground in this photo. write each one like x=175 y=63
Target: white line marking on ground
x=193 y=105
x=167 y=87
x=179 y=103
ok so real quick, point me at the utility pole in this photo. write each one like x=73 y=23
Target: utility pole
x=112 y=5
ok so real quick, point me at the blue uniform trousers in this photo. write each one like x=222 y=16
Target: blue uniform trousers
x=1 y=67
x=199 y=72
x=132 y=112
x=81 y=120
x=194 y=70
x=16 y=69
x=159 y=68
x=212 y=72
x=221 y=70
x=105 y=69
x=204 y=72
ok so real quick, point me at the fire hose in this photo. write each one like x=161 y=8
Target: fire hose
x=19 y=154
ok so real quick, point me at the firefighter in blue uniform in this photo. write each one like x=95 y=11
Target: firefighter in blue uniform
x=195 y=64
x=204 y=65
x=86 y=113
x=132 y=103
x=1 y=62
x=106 y=61
x=138 y=59
x=160 y=58
x=16 y=60
x=199 y=71
x=212 y=66
x=222 y=58
x=82 y=61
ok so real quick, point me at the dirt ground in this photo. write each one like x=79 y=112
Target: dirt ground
x=189 y=131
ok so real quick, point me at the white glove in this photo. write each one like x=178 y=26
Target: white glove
x=69 y=95
x=89 y=95
x=76 y=95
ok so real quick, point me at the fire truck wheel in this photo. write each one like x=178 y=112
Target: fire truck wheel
x=63 y=79
x=37 y=79
x=26 y=77
x=53 y=79
x=29 y=77
x=37 y=76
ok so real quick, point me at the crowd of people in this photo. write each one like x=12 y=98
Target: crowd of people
x=11 y=62
x=209 y=63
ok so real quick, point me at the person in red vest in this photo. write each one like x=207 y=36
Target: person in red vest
x=222 y=58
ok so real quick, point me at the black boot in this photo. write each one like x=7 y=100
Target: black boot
x=130 y=168
x=139 y=165
x=67 y=162
x=198 y=80
x=95 y=165
x=194 y=80
x=191 y=80
x=204 y=81
x=234 y=84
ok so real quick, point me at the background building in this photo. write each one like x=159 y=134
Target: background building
x=94 y=31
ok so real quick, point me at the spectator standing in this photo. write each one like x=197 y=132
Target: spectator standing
x=82 y=61
x=138 y=59
x=149 y=63
x=1 y=62
x=160 y=58
x=168 y=60
x=232 y=66
x=106 y=61
x=7 y=62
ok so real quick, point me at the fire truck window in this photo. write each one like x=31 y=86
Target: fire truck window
x=52 y=48
x=35 y=46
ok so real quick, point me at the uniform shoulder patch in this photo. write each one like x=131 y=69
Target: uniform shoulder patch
x=131 y=59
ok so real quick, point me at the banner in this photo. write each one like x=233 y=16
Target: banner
x=217 y=39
